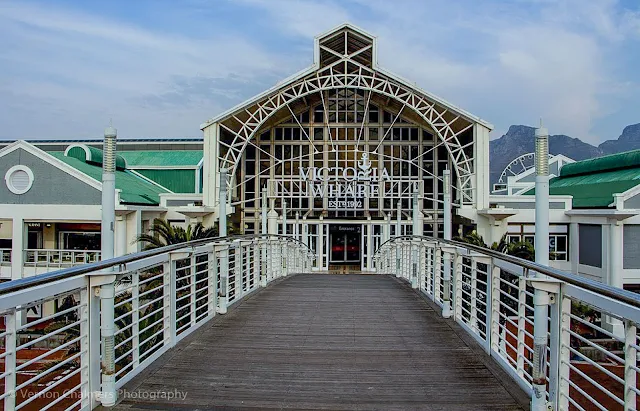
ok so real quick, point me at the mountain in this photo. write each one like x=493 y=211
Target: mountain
x=520 y=140
x=628 y=140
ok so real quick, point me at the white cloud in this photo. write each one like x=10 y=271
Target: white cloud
x=65 y=72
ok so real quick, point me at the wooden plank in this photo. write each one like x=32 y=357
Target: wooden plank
x=318 y=341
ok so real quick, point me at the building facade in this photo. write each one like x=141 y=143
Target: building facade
x=340 y=149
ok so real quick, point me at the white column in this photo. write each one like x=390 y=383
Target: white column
x=386 y=229
x=121 y=232
x=296 y=227
x=399 y=219
x=272 y=217
x=284 y=217
x=574 y=242
x=222 y=206
x=417 y=213
x=305 y=231
x=542 y=196
x=616 y=273
x=107 y=225
x=541 y=297
x=263 y=210
x=18 y=245
x=370 y=249
x=446 y=257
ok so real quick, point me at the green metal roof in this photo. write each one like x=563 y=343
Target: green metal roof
x=162 y=158
x=92 y=155
x=600 y=164
x=134 y=189
x=176 y=180
x=592 y=183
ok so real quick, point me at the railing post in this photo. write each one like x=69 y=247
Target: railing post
x=630 y=362
x=437 y=272
x=192 y=289
x=257 y=260
x=446 y=284
x=135 y=328
x=238 y=269
x=555 y=335
x=494 y=284
x=397 y=254
x=522 y=323
x=107 y=326
x=10 y=360
x=543 y=296
x=212 y=282
x=474 y=294
x=173 y=294
x=264 y=266
x=83 y=315
x=223 y=292
x=167 y=291
x=456 y=303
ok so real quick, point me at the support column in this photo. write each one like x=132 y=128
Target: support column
x=446 y=257
x=107 y=329
x=574 y=242
x=263 y=211
x=541 y=297
x=305 y=232
x=222 y=217
x=370 y=249
x=399 y=219
x=616 y=273
x=296 y=227
x=18 y=245
x=121 y=231
x=418 y=218
x=284 y=217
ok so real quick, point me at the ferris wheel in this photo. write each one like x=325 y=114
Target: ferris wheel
x=518 y=166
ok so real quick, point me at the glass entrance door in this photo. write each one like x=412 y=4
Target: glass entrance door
x=345 y=243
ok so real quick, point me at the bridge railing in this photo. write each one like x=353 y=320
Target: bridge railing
x=592 y=340
x=70 y=339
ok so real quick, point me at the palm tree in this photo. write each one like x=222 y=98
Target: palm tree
x=163 y=233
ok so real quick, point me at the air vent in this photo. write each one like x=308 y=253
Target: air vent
x=19 y=179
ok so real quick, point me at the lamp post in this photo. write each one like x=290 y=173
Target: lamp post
x=541 y=297
x=107 y=289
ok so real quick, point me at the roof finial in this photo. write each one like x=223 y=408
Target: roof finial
x=541 y=122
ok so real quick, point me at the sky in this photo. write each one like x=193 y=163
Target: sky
x=160 y=68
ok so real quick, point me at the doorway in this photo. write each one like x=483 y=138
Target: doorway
x=345 y=243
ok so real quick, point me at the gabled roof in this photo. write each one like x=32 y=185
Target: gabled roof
x=593 y=183
x=316 y=66
x=162 y=158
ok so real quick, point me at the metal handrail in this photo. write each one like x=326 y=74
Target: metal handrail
x=616 y=293
x=23 y=283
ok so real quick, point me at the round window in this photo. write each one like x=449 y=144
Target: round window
x=19 y=179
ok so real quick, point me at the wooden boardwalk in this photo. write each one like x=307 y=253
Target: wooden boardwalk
x=318 y=341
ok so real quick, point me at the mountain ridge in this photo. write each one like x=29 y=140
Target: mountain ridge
x=520 y=139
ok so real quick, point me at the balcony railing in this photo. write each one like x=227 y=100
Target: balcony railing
x=114 y=318
x=59 y=258
x=592 y=345
x=5 y=256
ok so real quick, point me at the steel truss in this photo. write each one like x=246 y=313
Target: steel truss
x=347 y=73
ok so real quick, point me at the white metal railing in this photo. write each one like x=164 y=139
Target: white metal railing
x=51 y=258
x=72 y=337
x=5 y=256
x=592 y=341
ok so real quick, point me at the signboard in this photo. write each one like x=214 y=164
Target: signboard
x=345 y=187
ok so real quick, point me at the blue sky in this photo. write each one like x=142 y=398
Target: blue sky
x=160 y=68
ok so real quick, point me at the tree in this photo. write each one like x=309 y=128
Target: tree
x=163 y=233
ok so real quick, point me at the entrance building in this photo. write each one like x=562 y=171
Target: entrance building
x=340 y=149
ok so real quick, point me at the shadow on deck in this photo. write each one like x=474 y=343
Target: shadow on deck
x=318 y=341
